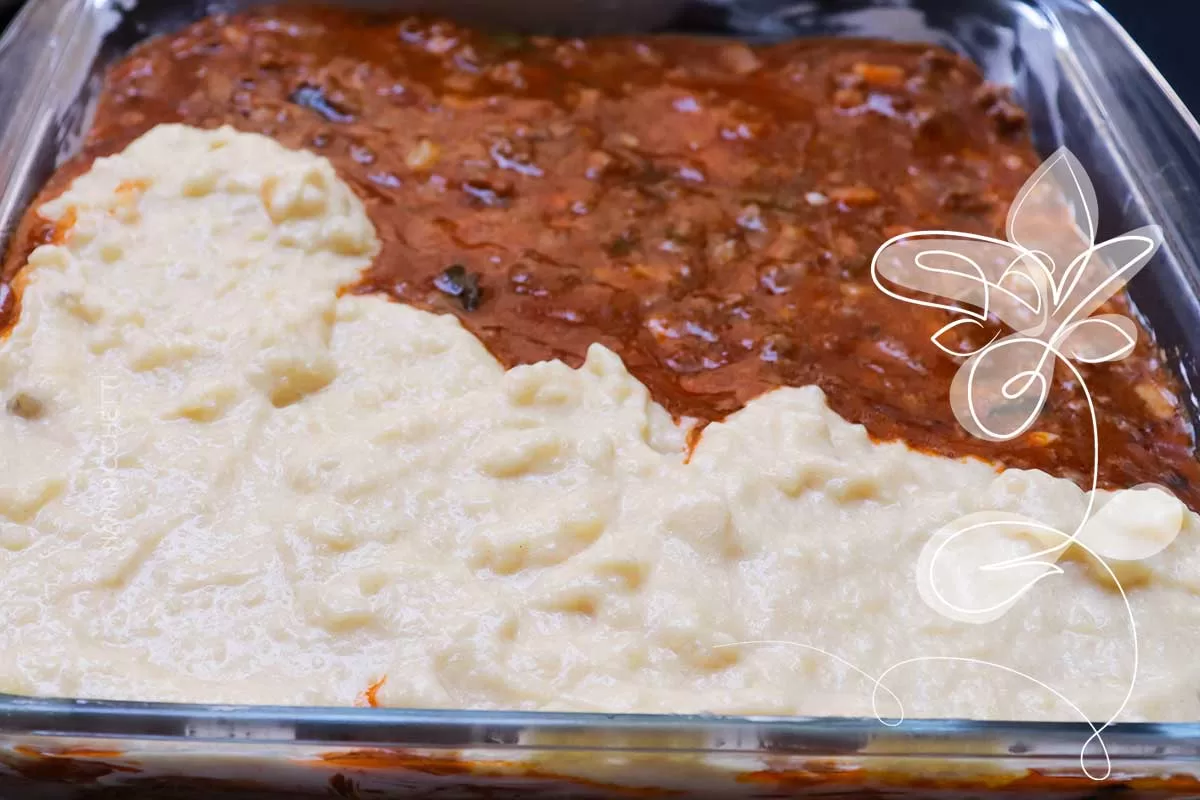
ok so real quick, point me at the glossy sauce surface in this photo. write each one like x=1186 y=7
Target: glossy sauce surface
x=706 y=209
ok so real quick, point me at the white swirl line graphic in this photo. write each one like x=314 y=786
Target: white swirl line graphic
x=879 y=685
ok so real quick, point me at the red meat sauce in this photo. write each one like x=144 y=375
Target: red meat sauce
x=706 y=209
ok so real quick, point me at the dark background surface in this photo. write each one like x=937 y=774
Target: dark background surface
x=1165 y=29
x=1167 y=32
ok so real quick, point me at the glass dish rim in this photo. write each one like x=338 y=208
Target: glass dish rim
x=459 y=729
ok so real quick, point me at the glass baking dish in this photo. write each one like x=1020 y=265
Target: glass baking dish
x=1085 y=85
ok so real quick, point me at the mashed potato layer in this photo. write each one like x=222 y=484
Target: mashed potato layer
x=220 y=481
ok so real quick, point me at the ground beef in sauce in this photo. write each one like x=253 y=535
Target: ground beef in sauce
x=706 y=209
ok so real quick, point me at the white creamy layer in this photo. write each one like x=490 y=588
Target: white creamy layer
x=220 y=482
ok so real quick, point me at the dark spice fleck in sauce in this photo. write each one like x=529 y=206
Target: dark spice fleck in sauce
x=455 y=281
x=706 y=209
